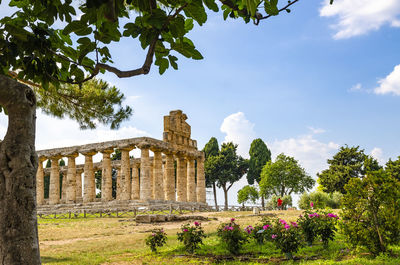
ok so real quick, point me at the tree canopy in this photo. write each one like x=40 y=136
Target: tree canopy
x=247 y=194
x=259 y=156
x=227 y=166
x=348 y=163
x=284 y=177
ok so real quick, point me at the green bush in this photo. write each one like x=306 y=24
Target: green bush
x=157 y=239
x=371 y=211
x=262 y=231
x=320 y=199
x=287 y=237
x=191 y=236
x=232 y=236
x=286 y=202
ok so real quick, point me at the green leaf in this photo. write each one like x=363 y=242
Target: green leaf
x=196 y=11
x=210 y=4
x=74 y=26
x=84 y=41
x=172 y=61
x=177 y=27
x=17 y=32
x=188 y=24
x=163 y=64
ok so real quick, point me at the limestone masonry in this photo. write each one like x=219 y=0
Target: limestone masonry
x=143 y=179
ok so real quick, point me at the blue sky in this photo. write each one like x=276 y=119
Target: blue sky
x=306 y=83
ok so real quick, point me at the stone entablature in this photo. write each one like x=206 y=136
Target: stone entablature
x=138 y=179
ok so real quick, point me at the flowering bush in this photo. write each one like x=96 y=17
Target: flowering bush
x=286 y=236
x=327 y=227
x=191 y=236
x=262 y=232
x=308 y=223
x=318 y=223
x=157 y=239
x=232 y=236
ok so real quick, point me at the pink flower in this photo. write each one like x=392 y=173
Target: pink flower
x=196 y=223
x=282 y=221
x=294 y=224
x=274 y=236
x=287 y=226
x=232 y=219
x=265 y=227
x=332 y=215
x=230 y=228
x=185 y=230
x=153 y=234
x=311 y=204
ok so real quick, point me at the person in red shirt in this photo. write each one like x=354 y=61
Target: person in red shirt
x=280 y=203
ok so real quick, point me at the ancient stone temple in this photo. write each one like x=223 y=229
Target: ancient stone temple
x=174 y=173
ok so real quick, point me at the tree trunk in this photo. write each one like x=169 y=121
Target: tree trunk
x=226 y=198
x=215 y=196
x=18 y=164
x=262 y=202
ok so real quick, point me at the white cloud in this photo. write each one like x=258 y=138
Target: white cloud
x=310 y=152
x=358 y=17
x=52 y=132
x=377 y=153
x=356 y=87
x=316 y=130
x=240 y=131
x=390 y=84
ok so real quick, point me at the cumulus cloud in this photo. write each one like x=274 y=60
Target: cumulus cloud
x=390 y=84
x=358 y=17
x=377 y=153
x=240 y=131
x=311 y=153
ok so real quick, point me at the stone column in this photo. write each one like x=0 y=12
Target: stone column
x=89 y=188
x=119 y=187
x=79 y=185
x=135 y=191
x=158 y=185
x=181 y=179
x=106 y=176
x=151 y=180
x=70 y=180
x=40 y=182
x=54 y=189
x=63 y=187
x=201 y=181
x=169 y=178
x=145 y=185
x=191 y=181
x=125 y=174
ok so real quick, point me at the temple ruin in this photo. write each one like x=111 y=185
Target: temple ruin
x=175 y=172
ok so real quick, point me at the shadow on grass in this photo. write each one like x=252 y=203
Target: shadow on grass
x=54 y=260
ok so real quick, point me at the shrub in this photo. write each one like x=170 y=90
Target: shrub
x=308 y=223
x=157 y=239
x=191 y=236
x=286 y=202
x=320 y=199
x=232 y=236
x=286 y=237
x=371 y=211
x=262 y=231
x=327 y=227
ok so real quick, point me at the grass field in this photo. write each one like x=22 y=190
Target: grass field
x=122 y=241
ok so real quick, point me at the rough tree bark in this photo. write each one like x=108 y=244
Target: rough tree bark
x=18 y=164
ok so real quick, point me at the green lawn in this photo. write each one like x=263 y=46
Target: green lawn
x=122 y=241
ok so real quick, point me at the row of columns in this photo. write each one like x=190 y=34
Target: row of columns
x=156 y=182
